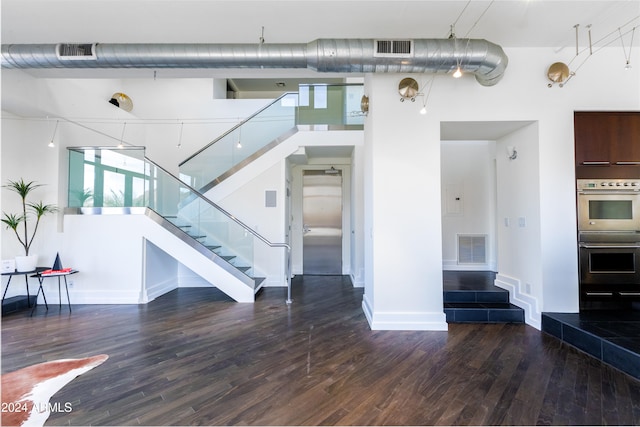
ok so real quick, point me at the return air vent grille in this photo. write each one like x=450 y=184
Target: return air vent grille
x=472 y=249
x=401 y=48
x=76 y=51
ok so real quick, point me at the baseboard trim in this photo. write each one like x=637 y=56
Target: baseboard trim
x=532 y=315
x=158 y=289
x=404 y=321
x=454 y=266
x=355 y=282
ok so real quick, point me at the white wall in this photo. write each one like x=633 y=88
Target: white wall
x=520 y=260
x=468 y=199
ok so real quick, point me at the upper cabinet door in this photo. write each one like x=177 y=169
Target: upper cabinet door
x=594 y=132
x=626 y=146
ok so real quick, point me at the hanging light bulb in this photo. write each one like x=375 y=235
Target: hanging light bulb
x=180 y=138
x=457 y=73
x=239 y=144
x=423 y=110
x=51 y=144
x=121 y=144
x=627 y=57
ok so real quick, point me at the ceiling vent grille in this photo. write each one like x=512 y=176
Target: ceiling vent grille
x=472 y=249
x=401 y=48
x=76 y=51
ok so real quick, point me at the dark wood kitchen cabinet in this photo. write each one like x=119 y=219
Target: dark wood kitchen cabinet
x=607 y=144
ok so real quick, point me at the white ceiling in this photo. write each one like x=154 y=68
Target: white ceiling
x=514 y=23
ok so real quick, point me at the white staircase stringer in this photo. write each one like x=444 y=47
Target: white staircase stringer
x=200 y=264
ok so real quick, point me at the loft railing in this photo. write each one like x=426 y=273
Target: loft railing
x=331 y=105
x=125 y=178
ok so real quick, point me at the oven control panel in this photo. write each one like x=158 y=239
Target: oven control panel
x=608 y=184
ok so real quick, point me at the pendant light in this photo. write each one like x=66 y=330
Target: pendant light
x=51 y=144
x=180 y=137
x=121 y=144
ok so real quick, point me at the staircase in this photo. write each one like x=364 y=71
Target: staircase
x=471 y=297
x=215 y=250
x=212 y=242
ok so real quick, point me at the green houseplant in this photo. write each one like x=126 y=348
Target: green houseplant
x=29 y=210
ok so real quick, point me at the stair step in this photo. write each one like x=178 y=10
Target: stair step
x=17 y=303
x=498 y=295
x=197 y=237
x=227 y=257
x=483 y=312
x=212 y=247
x=243 y=269
x=258 y=283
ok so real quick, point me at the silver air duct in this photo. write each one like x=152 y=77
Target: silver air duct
x=480 y=57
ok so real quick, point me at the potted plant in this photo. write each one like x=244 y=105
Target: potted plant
x=13 y=220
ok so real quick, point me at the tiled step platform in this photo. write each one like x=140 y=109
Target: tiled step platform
x=17 y=303
x=612 y=337
x=471 y=297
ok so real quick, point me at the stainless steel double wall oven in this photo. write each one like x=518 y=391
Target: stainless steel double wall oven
x=609 y=242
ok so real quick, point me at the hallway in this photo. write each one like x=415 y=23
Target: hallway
x=195 y=357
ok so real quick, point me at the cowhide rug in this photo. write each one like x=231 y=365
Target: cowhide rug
x=26 y=392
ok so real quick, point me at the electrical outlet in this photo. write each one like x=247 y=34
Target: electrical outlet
x=70 y=283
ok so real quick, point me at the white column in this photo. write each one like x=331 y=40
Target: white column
x=403 y=250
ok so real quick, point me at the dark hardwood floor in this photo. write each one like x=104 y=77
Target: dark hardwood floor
x=195 y=357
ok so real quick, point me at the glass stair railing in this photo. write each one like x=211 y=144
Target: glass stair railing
x=108 y=178
x=331 y=106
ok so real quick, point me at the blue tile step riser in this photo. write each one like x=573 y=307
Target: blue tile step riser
x=600 y=348
x=476 y=296
x=483 y=313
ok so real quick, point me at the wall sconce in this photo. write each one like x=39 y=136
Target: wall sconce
x=364 y=104
x=512 y=153
x=408 y=89
x=122 y=101
x=559 y=73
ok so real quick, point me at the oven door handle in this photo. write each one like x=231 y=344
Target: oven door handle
x=611 y=192
x=587 y=246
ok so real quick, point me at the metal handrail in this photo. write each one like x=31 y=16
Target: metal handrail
x=235 y=127
x=237 y=221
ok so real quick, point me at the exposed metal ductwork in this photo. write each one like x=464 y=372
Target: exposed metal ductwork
x=487 y=61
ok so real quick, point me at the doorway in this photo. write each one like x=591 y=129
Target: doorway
x=322 y=221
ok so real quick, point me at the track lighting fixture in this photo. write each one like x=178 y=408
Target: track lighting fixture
x=457 y=73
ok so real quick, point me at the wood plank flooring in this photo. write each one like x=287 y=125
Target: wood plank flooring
x=193 y=357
